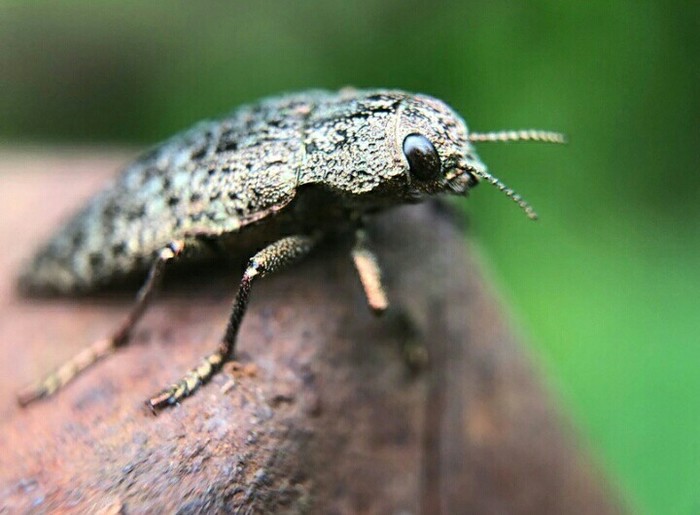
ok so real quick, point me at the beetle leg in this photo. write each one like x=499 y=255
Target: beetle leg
x=272 y=258
x=370 y=274
x=105 y=346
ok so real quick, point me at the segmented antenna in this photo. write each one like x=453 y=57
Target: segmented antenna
x=511 y=194
x=522 y=135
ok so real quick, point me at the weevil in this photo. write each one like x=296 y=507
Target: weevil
x=274 y=177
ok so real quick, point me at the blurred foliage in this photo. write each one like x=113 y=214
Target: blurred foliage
x=606 y=284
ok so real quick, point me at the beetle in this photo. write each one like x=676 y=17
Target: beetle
x=275 y=176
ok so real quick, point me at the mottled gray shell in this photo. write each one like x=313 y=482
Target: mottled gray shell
x=222 y=176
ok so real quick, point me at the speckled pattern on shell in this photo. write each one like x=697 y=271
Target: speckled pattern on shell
x=252 y=170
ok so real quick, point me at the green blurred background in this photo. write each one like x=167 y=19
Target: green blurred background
x=605 y=286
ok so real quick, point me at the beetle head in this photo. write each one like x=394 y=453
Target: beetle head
x=377 y=148
x=437 y=154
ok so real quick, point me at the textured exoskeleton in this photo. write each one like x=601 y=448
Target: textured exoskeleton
x=270 y=179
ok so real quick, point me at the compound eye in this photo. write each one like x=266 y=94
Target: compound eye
x=422 y=157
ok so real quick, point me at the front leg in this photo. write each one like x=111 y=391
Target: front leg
x=370 y=274
x=272 y=258
x=412 y=348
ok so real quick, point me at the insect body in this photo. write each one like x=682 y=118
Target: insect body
x=271 y=179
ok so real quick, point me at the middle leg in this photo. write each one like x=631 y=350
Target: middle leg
x=272 y=258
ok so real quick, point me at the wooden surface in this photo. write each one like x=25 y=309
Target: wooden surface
x=323 y=417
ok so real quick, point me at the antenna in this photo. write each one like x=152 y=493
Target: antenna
x=521 y=135
x=529 y=211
